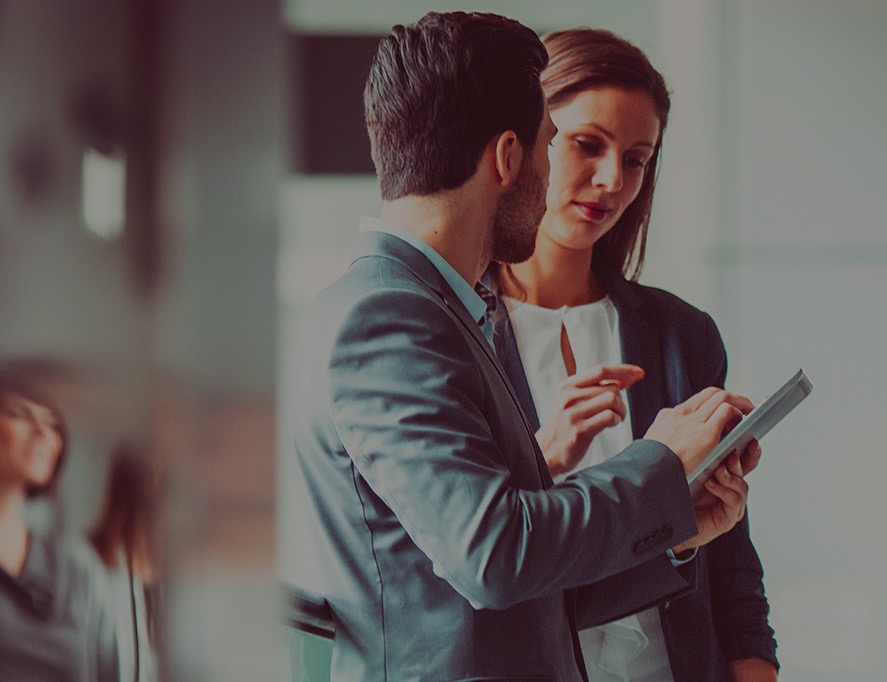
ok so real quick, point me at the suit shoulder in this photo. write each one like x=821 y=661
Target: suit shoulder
x=371 y=286
x=367 y=274
x=677 y=321
x=669 y=308
x=380 y=299
x=689 y=336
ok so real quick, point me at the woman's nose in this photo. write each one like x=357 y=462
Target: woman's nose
x=608 y=173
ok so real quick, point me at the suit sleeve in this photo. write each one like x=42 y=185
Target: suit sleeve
x=736 y=577
x=408 y=403
x=634 y=590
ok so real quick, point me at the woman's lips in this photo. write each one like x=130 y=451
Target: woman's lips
x=592 y=210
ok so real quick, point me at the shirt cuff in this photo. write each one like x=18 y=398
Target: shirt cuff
x=685 y=557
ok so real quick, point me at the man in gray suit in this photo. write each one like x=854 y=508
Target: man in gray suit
x=447 y=551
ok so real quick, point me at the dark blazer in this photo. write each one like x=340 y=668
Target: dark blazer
x=680 y=349
x=447 y=552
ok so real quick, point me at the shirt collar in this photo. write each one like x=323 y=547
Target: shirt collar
x=475 y=305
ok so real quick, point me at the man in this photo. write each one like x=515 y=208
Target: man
x=447 y=552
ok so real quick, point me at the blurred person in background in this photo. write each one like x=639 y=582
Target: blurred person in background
x=124 y=540
x=571 y=316
x=54 y=618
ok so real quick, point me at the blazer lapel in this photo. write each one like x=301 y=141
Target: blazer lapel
x=388 y=246
x=509 y=356
x=640 y=346
x=478 y=335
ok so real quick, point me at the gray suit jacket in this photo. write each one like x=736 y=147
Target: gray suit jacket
x=447 y=552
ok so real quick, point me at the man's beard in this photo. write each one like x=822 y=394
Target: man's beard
x=517 y=218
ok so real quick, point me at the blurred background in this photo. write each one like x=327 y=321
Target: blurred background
x=178 y=179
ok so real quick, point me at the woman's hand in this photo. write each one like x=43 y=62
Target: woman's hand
x=586 y=404
x=752 y=670
x=722 y=504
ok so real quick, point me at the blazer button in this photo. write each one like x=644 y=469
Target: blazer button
x=666 y=605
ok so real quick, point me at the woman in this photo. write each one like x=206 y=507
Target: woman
x=573 y=313
x=123 y=538
x=53 y=622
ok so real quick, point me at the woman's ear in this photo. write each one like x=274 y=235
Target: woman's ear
x=508 y=154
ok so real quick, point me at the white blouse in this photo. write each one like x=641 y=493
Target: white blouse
x=631 y=649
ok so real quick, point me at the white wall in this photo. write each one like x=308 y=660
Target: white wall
x=803 y=268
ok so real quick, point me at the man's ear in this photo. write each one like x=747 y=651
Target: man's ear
x=508 y=153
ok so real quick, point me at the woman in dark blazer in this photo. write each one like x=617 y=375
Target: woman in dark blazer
x=596 y=352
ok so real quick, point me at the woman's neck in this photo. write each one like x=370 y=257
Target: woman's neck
x=13 y=531
x=554 y=277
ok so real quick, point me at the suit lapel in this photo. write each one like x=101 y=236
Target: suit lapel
x=385 y=245
x=388 y=246
x=509 y=356
x=475 y=332
x=640 y=346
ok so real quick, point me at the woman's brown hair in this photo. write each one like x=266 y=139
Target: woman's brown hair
x=125 y=527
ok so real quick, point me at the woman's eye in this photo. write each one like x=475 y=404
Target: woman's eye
x=590 y=146
x=635 y=162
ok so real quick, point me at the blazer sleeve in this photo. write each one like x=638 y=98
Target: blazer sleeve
x=409 y=404
x=634 y=590
x=736 y=576
x=739 y=605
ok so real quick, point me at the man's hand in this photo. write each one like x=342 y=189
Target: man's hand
x=722 y=504
x=694 y=427
x=586 y=404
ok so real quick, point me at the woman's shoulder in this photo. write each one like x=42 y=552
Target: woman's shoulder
x=661 y=303
x=80 y=564
x=691 y=332
x=60 y=576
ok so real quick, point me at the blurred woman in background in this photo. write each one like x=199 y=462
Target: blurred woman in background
x=594 y=355
x=124 y=540
x=54 y=622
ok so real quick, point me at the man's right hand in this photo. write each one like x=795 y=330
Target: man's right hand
x=693 y=428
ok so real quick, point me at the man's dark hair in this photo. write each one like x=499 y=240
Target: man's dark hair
x=440 y=89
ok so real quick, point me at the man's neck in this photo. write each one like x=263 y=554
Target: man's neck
x=457 y=229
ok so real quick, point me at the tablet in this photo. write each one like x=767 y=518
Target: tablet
x=754 y=425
